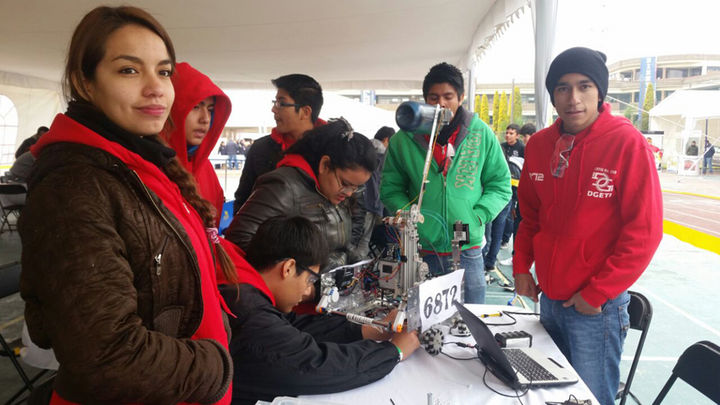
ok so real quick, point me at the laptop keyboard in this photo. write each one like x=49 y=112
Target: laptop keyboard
x=527 y=366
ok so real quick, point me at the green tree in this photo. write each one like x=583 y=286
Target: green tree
x=630 y=112
x=517 y=106
x=477 y=104
x=485 y=109
x=503 y=114
x=647 y=106
x=496 y=111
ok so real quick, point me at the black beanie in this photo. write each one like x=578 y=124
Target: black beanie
x=581 y=60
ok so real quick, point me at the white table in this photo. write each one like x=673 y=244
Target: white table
x=454 y=381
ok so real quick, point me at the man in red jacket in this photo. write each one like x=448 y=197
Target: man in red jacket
x=592 y=219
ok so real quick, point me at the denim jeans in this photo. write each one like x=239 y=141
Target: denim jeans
x=474 y=279
x=707 y=164
x=592 y=343
x=232 y=162
x=493 y=237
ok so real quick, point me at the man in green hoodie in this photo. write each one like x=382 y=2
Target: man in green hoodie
x=468 y=180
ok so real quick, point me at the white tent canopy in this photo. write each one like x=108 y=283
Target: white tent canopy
x=364 y=118
x=686 y=116
x=344 y=44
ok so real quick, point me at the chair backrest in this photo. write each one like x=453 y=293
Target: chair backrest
x=12 y=194
x=9 y=279
x=699 y=366
x=640 y=311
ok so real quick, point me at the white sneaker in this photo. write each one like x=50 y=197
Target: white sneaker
x=506 y=262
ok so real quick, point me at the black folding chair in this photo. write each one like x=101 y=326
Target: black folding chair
x=640 y=311
x=698 y=366
x=12 y=200
x=9 y=285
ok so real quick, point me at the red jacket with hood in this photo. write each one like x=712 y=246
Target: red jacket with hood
x=596 y=229
x=192 y=87
x=65 y=129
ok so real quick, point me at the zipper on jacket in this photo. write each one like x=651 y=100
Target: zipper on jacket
x=158 y=257
x=194 y=262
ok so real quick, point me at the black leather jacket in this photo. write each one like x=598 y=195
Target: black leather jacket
x=289 y=191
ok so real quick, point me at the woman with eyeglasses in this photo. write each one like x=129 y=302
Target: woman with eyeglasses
x=118 y=272
x=315 y=179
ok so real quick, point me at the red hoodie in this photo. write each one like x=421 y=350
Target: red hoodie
x=596 y=229
x=211 y=326
x=192 y=87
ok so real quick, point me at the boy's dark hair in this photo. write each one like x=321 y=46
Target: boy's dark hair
x=527 y=129
x=281 y=238
x=514 y=126
x=304 y=90
x=444 y=73
x=346 y=149
x=384 y=133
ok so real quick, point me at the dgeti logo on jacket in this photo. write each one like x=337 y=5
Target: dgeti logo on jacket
x=602 y=184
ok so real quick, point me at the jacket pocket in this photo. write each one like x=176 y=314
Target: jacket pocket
x=167 y=321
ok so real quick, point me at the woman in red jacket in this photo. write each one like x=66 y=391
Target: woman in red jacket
x=199 y=114
x=118 y=275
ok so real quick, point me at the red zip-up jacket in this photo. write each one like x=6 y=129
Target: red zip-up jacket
x=192 y=87
x=596 y=229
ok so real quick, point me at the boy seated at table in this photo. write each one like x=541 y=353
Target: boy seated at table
x=276 y=352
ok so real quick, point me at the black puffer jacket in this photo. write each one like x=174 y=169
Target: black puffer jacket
x=112 y=284
x=277 y=354
x=288 y=191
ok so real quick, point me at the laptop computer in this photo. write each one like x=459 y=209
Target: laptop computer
x=518 y=368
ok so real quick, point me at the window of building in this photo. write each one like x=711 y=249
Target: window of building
x=694 y=71
x=673 y=73
x=626 y=75
x=8 y=130
x=713 y=69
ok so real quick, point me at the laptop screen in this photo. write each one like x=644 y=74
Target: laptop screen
x=488 y=349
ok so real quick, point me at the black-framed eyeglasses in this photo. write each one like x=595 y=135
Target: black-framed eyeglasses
x=344 y=188
x=313 y=278
x=278 y=104
x=561 y=156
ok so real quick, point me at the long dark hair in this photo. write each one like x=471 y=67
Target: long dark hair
x=87 y=48
x=346 y=149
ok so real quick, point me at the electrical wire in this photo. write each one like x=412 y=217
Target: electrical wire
x=517 y=395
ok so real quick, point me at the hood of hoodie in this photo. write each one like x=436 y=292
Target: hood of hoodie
x=191 y=87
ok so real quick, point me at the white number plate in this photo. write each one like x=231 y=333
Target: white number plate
x=436 y=298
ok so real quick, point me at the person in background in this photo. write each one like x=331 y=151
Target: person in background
x=296 y=109
x=692 y=150
x=27 y=143
x=231 y=150
x=277 y=352
x=199 y=114
x=526 y=131
x=371 y=204
x=315 y=179
x=592 y=220
x=221 y=149
x=20 y=170
x=118 y=274
x=708 y=157
x=468 y=180
x=512 y=148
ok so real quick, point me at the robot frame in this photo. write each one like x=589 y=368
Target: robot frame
x=392 y=279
